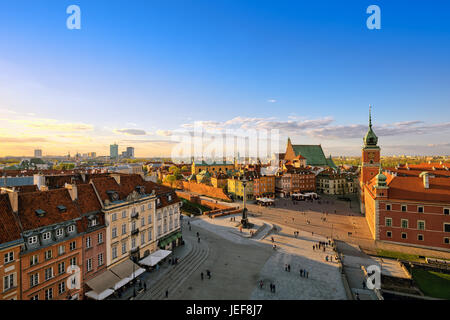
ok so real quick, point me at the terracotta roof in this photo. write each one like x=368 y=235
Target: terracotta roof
x=87 y=199
x=102 y=185
x=9 y=227
x=49 y=202
x=413 y=189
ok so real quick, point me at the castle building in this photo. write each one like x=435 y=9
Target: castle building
x=405 y=209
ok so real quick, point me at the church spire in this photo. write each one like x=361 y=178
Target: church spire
x=370 y=116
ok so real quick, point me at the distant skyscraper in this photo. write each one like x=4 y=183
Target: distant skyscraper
x=38 y=153
x=130 y=152
x=114 y=151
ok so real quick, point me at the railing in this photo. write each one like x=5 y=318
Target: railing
x=135 y=215
x=134 y=231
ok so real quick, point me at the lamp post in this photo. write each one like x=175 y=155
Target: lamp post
x=244 y=220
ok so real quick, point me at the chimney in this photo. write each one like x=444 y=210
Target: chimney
x=73 y=191
x=116 y=176
x=426 y=180
x=14 y=200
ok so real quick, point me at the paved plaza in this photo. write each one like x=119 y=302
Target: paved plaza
x=238 y=264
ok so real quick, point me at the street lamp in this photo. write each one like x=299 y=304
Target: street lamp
x=244 y=220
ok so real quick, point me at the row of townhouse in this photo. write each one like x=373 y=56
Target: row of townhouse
x=63 y=243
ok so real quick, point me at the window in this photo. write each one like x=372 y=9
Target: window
x=89 y=264
x=124 y=229
x=133 y=243
x=34 y=260
x=142 y=221
x=405 y=223
x=100 y=238
x=8 y=282
x=446 y=227
x=149 y=206
x=49 y=294
x=149 y=219
x=143 y=237
x=389 y=234
x=404 y=208
x=159 y=230
x=71 y=229
x=420 y=237
x=421 y=225
x=73 y=245
x=34 y=280
x=48 y=254
x=159 y=215
x=93 y=222
x=142 y=208
x=404 y=235
x=48 y=273
x=9 y=257
x=158 y=201
x=59 y=232
x=73 y=261
x=388 y=222
x=447 y=240
x=149 y=235
x=388 y=207
x=124 y=247
x=133 y=226
x=169 y=197
x=61 y=267
x=100 y=259
x=114 y=252
x=114 y=232
x=61 y=287
x=36 y=297
x=32 y=240
x=46 y=236
x=124 y=214
x=420 y=209
x=114 y=217
x=61 y=249
x=88 y=242
x=447 y=211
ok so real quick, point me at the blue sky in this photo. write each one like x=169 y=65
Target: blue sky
x=138 y=70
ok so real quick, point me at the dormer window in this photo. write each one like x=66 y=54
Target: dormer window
x=46 y=236
x=158 y=201
x=113 y=195
x=59 y=232
x=93 y=222
x=62 y=208
x=32 y=240
x=140 y=189
x=71 y=229
x=169 y=197
x=40 y=212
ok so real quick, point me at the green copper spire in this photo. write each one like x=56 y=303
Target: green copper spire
x=370 y=139
x=381 y=178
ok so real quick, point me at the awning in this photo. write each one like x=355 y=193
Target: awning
x=165 y=241
x=155 y=257
x=102 y=285
x=126 y=271
x=93 y=295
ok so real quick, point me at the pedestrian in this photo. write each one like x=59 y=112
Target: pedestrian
x=272 y=239
x=261 y=283
x=167 y=293
x=208 y=273
x=190 y=228
x=323 y=249
x=326 y=258
x=289 y=268
x=307 y=274
x=145 y=286
x=198 y=235
x=271 y=287
x=364 y=284
x=301 y=272
x=198 y=239
x=285 y=267
x=274 y=288
x=357 y=296
x=201 y=275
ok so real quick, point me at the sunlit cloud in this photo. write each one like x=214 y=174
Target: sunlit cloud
x=132 y=132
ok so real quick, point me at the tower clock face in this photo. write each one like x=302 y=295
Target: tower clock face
x=371 y=155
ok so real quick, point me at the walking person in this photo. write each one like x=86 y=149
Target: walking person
x=198 y=239
x=301 y=272
x=167 y=293
x=289 y=268
x=201 y=275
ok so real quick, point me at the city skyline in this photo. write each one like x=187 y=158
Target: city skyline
x=308 y=70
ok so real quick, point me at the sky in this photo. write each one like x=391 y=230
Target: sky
x=142 y=73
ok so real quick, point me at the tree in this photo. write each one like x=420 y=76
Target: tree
x=170 y=179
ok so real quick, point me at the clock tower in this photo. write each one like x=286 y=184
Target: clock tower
x=370 y=159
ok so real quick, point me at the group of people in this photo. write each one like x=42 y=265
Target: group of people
x=296 y=234
x=272 y=286
x=303 y=272
x=208 y=274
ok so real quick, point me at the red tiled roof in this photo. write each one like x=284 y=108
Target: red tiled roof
x=26 y=189
x=102 y=185
x=47 y=201
x=9 y=227
x=87 y=199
